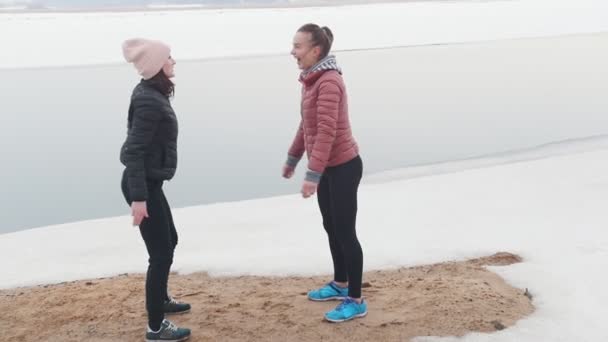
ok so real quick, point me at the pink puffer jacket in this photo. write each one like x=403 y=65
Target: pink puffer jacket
x=324 y=133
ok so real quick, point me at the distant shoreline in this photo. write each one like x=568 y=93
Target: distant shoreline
x=199 y=7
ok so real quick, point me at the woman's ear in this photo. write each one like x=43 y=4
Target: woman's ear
x=317 y=52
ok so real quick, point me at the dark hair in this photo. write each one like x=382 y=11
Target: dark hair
x=320 y=36
x=163 y=84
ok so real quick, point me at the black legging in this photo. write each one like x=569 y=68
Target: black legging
x=337 y=196
x=160 y=236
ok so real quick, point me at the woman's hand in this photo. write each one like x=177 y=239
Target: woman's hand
x=139 y=211
x=288 y=171
x=308 y=189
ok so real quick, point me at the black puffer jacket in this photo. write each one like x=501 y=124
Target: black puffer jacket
x=150 y=151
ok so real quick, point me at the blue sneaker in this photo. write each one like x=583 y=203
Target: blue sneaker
x=347 y=310
x=331 y=291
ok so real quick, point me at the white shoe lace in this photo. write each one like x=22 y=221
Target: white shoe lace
x=171 y=327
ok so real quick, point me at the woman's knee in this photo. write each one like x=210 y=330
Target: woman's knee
x=161 y=261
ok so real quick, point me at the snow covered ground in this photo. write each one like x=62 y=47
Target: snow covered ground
x=551 y=211
x=57 y=39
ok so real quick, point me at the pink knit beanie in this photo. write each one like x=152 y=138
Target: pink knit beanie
x=148 y=56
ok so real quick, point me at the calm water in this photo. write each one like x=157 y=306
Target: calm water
x=61 y=128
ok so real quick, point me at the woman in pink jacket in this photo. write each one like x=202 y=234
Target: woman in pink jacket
x=334 y=166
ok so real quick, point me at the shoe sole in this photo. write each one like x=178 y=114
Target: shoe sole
x=346 y=319
x=326 y=299
x=177 y=313
x=178 y=340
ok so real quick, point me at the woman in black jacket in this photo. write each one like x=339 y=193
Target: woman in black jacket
x=150 y=157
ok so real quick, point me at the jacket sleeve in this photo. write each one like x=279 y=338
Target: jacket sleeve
x=328 y=107
x=144 y=124
x=297 y=148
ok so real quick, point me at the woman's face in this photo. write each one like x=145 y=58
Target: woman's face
x=168 y=68
x=305 y=54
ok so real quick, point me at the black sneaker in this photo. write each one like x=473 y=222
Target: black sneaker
x=168 y=332
x=172 y=306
